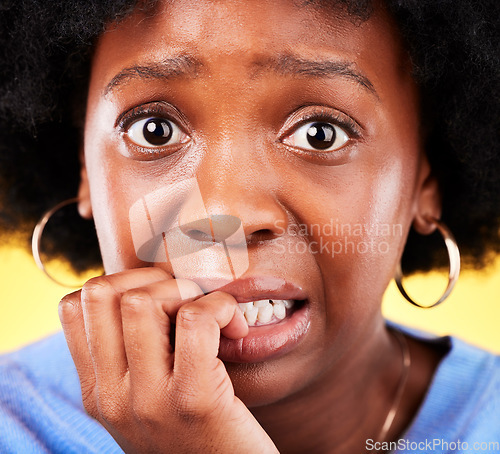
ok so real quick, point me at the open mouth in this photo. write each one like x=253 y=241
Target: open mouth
x=277 y=311
x=269 y=311
x=270 y=335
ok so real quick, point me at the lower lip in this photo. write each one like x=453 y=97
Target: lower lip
x=267 y=342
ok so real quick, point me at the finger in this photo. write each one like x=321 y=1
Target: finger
x=103 y=322
x=71 y=316
x=147 y=313
x=198 y=328
x=172 y=294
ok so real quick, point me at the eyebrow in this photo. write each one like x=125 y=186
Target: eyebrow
x=288 y=65
x=296 y=66
x=170 y=68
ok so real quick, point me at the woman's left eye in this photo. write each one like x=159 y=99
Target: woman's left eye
x=154 y=132
x=318 y=136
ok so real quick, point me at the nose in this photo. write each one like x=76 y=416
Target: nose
x=238 y=192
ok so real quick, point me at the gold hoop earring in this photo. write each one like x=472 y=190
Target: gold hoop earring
x=454 y=258
x=36 y=239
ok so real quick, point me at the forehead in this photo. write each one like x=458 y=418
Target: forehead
x=240 y=33
x=235 y=21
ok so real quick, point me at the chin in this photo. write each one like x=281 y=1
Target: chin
x=260 y=384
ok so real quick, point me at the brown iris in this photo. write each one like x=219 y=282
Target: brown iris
x=321 y=135
x=157 y=131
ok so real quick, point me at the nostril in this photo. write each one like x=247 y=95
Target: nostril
x=198 y=235
x=216 y=228
x=262 y=235
x=200 y=229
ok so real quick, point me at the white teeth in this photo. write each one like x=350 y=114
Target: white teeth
x=245 y=306
x=279 y=311
x=265 y=314
x=265 y=311
x=251 y=315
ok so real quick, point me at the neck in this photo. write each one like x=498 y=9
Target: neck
x=347 y=405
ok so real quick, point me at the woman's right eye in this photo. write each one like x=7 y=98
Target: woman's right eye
x=155 y=132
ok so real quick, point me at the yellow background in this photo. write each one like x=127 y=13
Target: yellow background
x=28 y=303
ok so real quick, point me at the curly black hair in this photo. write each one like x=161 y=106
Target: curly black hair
x=45 y=50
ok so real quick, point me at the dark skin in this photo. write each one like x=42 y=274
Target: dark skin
x=239 y=109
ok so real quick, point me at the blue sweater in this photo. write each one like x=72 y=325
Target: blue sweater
x=41 y=408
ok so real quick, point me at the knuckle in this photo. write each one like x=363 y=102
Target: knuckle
x=110 y=415
x=190 y=315
x=197 y=317
x=133 y=300
x=110 y=409
x=97 y=288
x=68 y=309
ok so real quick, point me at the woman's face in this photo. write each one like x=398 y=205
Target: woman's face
x=293 y=118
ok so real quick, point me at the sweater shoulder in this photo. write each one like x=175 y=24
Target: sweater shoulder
x=463 y=400
x=40 y=403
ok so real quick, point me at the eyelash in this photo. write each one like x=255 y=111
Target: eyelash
x=125 y=120
x=327 y=115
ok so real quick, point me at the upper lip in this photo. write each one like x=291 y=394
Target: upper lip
x=254 y=288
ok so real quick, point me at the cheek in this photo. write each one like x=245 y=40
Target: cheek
x=358 y=219
x=113 y=190
x=111 y=201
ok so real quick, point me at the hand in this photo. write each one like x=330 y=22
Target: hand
x=149 y=397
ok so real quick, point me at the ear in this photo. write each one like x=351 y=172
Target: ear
x=84 y=204
x=428 y=202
